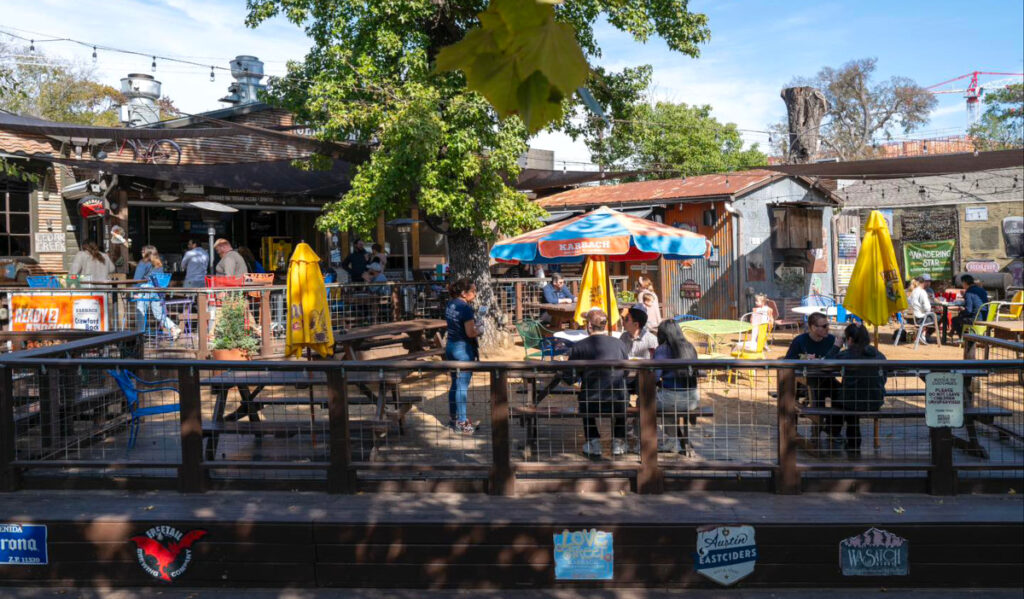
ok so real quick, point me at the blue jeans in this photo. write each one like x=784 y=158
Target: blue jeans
x=461 y=351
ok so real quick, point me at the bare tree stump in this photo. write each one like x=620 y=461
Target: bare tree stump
x=806 y=107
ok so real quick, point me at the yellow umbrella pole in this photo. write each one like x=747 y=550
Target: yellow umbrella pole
x=608 y=293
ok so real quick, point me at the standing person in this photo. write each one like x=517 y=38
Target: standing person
x=974 y=298
x=461 y=345
x=152 y=264
x=646 y=296
x=119 y=249
x=604 y=389
x=920 y=302
x=195 y=263
x=92 y=263
x=678 y=393
x=251 y=262
x=862 y=390
x=231 y=263
x=355 y=263
x=639 y=342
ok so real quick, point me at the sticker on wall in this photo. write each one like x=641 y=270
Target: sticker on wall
x=165 y=552
x=689 y=289
x=584 y=555
x=23 y=545
x=982 y=266
x=874 y=553
x=974 y=214
x=848 y=243
x=725 y=554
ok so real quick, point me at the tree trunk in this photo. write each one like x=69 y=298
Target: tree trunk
x=469 y=257
x=805 y=107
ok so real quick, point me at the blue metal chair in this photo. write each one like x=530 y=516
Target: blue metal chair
x=820 y=301
x=685 y=317
x=126 y=381
x=43 y=282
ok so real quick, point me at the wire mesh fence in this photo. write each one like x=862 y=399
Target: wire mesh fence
x=998 y=397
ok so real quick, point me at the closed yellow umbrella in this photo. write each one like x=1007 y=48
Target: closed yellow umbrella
x=876 y=289
x=309 y=319
x=595 y=291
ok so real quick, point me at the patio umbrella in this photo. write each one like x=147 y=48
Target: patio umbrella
x=595 y=292
x=876 y=289
x=603 y=233
x=309 y=320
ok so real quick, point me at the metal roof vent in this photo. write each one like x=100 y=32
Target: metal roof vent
x=142 y=92
x=247 y=71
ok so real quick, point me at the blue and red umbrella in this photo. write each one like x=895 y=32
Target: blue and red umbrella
x=604 y=233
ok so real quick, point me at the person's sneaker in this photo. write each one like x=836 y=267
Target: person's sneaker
x=618 y=446
x=592 y=448
x=175 y=333
x=464 y=427
x=670 y=445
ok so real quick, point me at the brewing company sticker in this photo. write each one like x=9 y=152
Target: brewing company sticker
x=725 y=554
x=165 y=552
x=874 y=553
x=23 y=544
x=584 y=555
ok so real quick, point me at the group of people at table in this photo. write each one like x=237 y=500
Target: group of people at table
x=921 y=298
x=606 y=391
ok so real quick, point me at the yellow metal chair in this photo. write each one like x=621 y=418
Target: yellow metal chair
x=743 y=351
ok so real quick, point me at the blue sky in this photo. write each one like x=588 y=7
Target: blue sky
x=756 y=48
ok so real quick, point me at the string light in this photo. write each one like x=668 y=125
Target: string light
x=152 y=67
x=94 y=54
x=32 y=46
x=212 y=76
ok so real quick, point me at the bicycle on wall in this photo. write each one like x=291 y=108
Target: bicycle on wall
x=159 y=151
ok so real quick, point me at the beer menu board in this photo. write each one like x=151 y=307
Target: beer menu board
x=44 y=312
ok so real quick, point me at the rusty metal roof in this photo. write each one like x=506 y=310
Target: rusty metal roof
x=663 y=191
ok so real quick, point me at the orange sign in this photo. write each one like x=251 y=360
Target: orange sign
x=43 y=312
x=564 y=248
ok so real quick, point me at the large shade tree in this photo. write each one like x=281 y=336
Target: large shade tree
x=1002 y=125
x=369 y=78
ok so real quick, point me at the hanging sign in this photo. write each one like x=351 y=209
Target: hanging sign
x=934 y=258
x=848 y=245
x=725 y=554
x=982 y=266
x=43 y=312
x=584 y=555
x=944 y=399
x=976 y=214
x=689 y=289
x=23 y=545
x=91 y=207
x=874 y=553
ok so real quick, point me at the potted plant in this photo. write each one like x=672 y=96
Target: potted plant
x=232 y=339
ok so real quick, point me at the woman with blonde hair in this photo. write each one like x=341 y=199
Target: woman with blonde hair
x=645 y=295
x=151 y=264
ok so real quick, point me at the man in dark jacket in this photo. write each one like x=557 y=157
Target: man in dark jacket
x=604 y=389
x=974 y=298
x=355 y=263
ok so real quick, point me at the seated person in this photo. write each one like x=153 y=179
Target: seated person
x=816 y=344
x=375 y=274
x=862 y=390
x=974 y=298
x=556 y=292
x=604 y=389
x=920 y=303
x=677 y=392
x=761 y=314
x=638 y=341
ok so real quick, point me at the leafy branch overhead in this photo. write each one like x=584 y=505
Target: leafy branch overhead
x=521 y=59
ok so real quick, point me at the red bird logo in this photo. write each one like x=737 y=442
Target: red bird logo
x=166 y=556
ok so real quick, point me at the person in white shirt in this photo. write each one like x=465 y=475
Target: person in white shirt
x=921 y=303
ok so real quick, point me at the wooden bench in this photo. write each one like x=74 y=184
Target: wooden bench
x=402 y=406
x=971 y=445
x=527 y=416
x=358 y=430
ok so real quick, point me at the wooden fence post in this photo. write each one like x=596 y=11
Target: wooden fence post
x=203 y=326
x=190 y=473
x=942 y=477
x=340 y=475
x=650 y=478
x=8 y=476
x=787 y=476
x=502 y=479
x=266 y=333
x=519 y=301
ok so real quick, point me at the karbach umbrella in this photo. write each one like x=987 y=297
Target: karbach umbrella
x=603 y=234
x=876 y=290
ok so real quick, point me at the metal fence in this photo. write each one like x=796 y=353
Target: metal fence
x=775 y=425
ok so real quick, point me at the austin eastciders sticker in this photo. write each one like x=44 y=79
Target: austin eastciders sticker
x=725 y=554
x=165 y=552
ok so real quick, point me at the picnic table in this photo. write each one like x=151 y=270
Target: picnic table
x=1012 y=330
x=713 y=329
x=251 y=384
x=421 y=337
x=561 y=314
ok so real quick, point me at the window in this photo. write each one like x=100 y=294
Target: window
x=15 y=227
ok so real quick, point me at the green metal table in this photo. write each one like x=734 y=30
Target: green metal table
x=713 y=329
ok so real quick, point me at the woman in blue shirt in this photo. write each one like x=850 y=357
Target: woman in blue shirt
x=460 y=345
x=152 y=264
x=678 y=393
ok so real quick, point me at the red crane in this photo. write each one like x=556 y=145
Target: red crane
x=974 y=91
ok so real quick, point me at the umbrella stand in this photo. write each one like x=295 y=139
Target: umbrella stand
x=608 y=293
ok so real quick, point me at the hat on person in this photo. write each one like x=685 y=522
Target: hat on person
x=219 y=242
x=926 y=277
x=638 y=312
x=375 y=267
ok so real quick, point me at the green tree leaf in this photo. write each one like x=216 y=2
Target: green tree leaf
x=551 y=49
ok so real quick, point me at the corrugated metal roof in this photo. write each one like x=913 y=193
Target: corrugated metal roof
x=662 y=191
x=1003 y=185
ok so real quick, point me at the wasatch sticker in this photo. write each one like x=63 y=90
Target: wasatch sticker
x=874 y=553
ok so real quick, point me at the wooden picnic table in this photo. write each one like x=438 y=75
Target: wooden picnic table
x=1012 y=330
x=560 y=314
x=251 y=384
x=412 y=334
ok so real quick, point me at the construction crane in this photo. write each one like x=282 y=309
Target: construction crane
x=974 y=91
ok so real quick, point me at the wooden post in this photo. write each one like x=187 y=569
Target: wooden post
x=942 y=478
x=266 y=333
x=787 y=476
x=340 y=476
x=502 y=479
x=190 y=473
x=414 y=242
x=203 y=326
x=650 y=478
x=8 y=476
x=519 y=301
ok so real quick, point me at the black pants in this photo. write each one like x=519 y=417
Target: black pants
x=960 y=321
x=591 y=408
x=857 y=400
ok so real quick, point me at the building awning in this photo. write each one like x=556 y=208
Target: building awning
x=534 y=178
x=28 y=124
x=900 y=168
